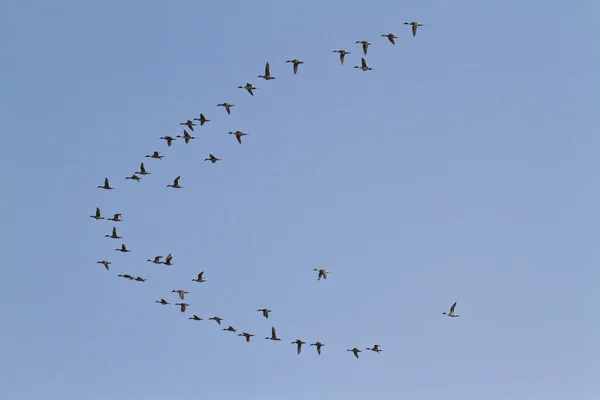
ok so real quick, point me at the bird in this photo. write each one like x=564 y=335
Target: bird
x=97 y=216
x=195 y=318
x=175 y=184
x=134 y=177
x=342 y=55
x=126 y=276
x=248 y=87
x=186 y=136
x=140 y=279
x=183 y=306
x=365 y=45
x=189 y=124
x=265 y=312
x=355 y=351
x=156 y=154
x=105 y=263
x=319 y=345
x=267 y=76
x=299 y=343
x=296 y=63
x=200 y=278
x=212 y=158
x=230 y=329
x=169 y=140
x=391 y=37
x=238 y=135
x=415 y=25
x=123 y=249
x=114 y=234
x=227 y=107
x=115 y=218
x=106 y=185
x=363 y=65
x=181 y=292
x=143 y=170
x=162 y=301
x=273 y=335
x=216 y=319
x=451 y=313
x=322 y=273
x=375 y=348
x=168 y=259
x=246 y=335
x=202 y=119
x=156 y=260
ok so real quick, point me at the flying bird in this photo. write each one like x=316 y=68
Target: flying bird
x=296 y=62
x=322 y=273
x=186 y=136
x=363 y=65
x=175 y=184
x=248 y=87
x=106 y=185
x=202 y=119
x=451 y=313
x=126 y=276
x=375 y=348
x=265 y=312
x=267 y=76
x=211 y=158
x=391 y=37
x=189 y=124
x=238 y=135
x=415 y=25
x=105 y=263
x=183 y=306
x=200 y=278
x=216 y=319
x=97 y=216
x=156 y=260
x=162 y=301
x=355 y=351
x=227 y=107
x=342 y=55
x=319 y=345
x=273 y=335
x=246 y=335
x=230 y=329
x=156 y=154
x=114 y=234
x=168 y=259
x=169 y=140
x=143 y=170
x=195 y=318
x=365 y=45
x=123 y=249
x=299 y=343
x=115 y=218
x=181 y=293
x=134 y=177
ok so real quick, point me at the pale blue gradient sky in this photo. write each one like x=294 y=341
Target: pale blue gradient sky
x=464 y=167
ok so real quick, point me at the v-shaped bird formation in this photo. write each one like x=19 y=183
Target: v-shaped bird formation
x=321 y=274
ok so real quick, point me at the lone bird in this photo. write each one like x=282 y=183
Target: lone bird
x=212 y=158
x=375 y=348
x=238 y=135
x=189 y=124
x=248 y=87
x=342 y=55
x=143 y=170
x=106 y=185
x=202 y=119
x=114 y=234
x=363 y=65
x=175 y=184
x=186 y=136
x=322 y=273
x=391 y=37
x=195 y=318
x=181 y=293
x=169 y=140
x=415 y=25
x=134 y=177
x=115 y=218
x=105 y=263
x=451 y=313
x=156 y=260
x=230 y=329
x=97 y=216
x=246 y=335
x=296 y=62
x=265 y=312
x=267 y=76
x=123 y=249
x=156 y=154
x=168 y=259
x=200 y=278
x=299 y=343
x=355 y=351
x=365 y=45
x=273 y=335
x=319 y=345
x=216 y=319
x=183 y=306
x=227 y=107
x=162 y=301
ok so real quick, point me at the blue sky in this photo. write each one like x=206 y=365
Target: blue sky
x=462 y=168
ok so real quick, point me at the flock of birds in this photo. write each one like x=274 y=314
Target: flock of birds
x=321 y=273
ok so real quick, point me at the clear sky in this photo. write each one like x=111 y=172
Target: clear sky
x=463 y=167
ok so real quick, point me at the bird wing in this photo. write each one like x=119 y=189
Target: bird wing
x=453 y=306
x=363 y=62
x=267 y=69
x=273 y=333
x=106 y=182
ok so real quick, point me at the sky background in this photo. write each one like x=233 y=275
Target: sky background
x=463 y=167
